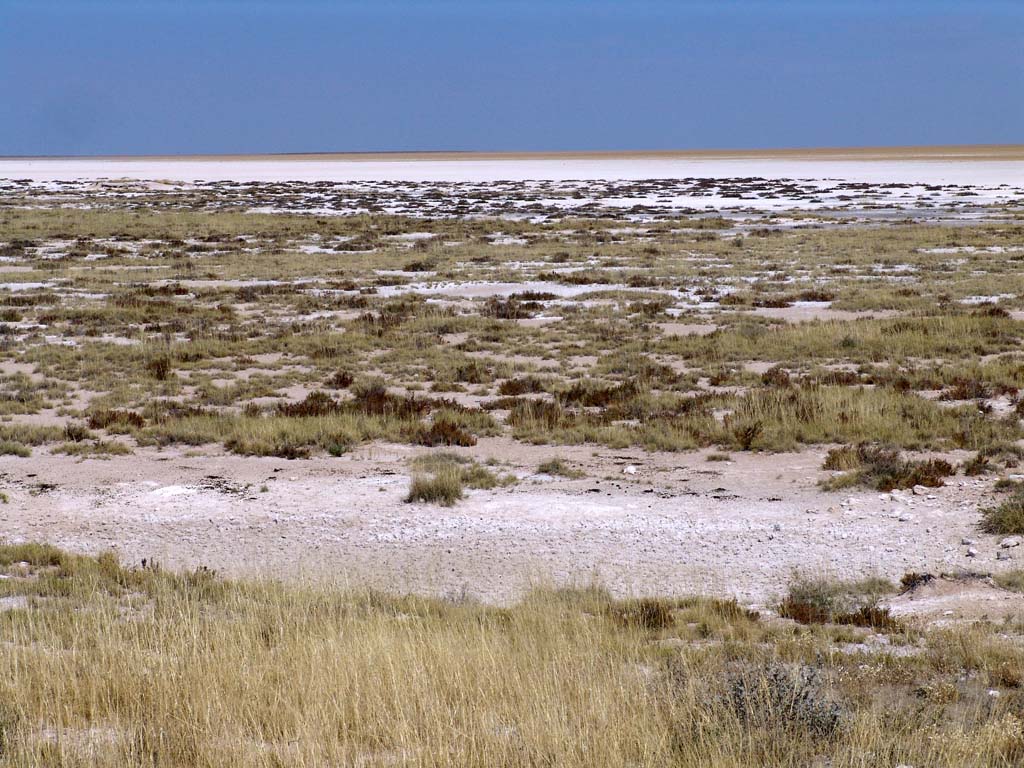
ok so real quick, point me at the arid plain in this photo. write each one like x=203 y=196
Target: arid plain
x=784 y=382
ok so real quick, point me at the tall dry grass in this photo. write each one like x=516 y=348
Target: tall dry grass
x=105 y=666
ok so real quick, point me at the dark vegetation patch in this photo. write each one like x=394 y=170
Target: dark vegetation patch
x=820 y=601
x=995 y=457
x=883 y=468
x=115 y=420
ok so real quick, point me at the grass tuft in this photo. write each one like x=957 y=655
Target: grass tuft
x=1006 y=518
x=444 y=488
x=559 y=467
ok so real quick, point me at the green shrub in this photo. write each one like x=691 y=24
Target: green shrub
x=1007 y=518
x=11 y=448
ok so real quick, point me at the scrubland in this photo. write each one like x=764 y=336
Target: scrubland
x=156 y=328
x=171 y=328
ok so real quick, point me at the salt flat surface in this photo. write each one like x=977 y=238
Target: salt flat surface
x=940 y=170
x=674 y=527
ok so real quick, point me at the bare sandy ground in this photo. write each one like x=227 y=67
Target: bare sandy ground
x=678 y=524
x=949 y=600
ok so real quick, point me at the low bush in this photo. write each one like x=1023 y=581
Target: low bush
x=1005 y=519
x=340 y=380
x=644 y=613
x=444 y=488
x=820 y=601
x=93 y=448
x=444 y=432
x=11 y=448
x=779 y=699
x=560 y=468
x=469 y=473
x=76 y=432
x=160 y=367
x=882 y=468
x=117 y=421
x=521 y=386
x=1006 y=455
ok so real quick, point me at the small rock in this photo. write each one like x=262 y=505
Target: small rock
x=994 y=693
x=966 y=541
x=629 y=470
x=776 y=527
x=1010 y=541
x=1002 y=555
x=920 y=490
x=972 y=552
x=905 y=518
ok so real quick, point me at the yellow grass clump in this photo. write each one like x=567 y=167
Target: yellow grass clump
x=107 y=666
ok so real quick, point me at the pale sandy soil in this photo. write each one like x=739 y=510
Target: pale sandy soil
x=679 y=525
x=945 y=601
x=802 y=314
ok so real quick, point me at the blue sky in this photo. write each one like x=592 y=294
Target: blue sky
x=150 y=76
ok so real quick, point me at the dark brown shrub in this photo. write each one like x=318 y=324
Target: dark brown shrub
x=599 y=396
x=882 y=468
x=521 y=386
x=444 y=432
x=340 y=380
x=776 y=376
x=159 y=367
x=374 y=399
x=508 y=309
x=967 y=389
x=116 y=420
x=746 y=434
x=912 y=580
x=811 y=601
x=315 y=404
x=644 y=613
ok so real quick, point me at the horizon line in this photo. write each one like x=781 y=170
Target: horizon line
x=525 y=154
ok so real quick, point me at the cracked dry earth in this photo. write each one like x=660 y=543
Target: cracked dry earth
x=640 y=523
